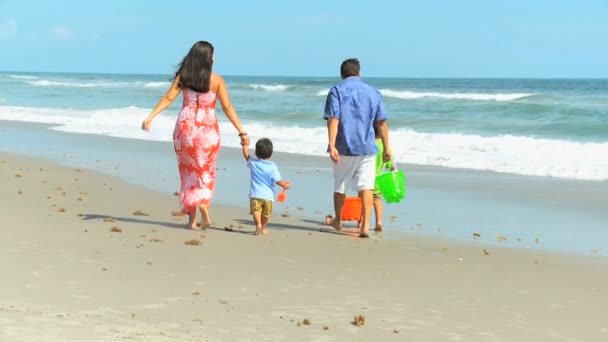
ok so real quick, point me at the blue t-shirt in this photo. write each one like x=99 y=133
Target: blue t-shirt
x=264 y=175
x=358 y=106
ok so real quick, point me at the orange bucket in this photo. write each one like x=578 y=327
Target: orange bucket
x=352 y=209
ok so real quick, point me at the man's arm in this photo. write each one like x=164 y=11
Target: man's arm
x=332 y=132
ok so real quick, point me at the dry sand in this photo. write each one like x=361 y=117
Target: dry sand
x=79 y=265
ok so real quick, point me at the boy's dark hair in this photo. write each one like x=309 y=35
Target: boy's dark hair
x=350 y=67
x=263 y=148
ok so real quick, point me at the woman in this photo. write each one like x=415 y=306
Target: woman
x=196 y=137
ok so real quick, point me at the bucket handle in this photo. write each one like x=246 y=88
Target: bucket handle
x=389 y=165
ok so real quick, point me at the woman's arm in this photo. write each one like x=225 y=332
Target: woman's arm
x=164 y=102
x=222 y=94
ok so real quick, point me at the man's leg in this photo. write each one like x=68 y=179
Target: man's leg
x=364 y=178
x=336 y=221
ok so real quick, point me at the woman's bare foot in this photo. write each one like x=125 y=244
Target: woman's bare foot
x=264 y=231
x=206 y=220
x=379 y=227
x=334 y=222
x=258 y=230
x=191 y=221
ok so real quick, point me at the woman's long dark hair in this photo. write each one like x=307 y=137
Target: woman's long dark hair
x=195 y=69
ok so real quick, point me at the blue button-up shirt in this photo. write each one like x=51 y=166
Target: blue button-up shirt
x=358 y=106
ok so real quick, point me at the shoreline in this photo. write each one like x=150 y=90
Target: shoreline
x=516 y=211
x=75 y=277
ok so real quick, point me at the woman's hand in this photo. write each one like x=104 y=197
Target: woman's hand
x=145 y=125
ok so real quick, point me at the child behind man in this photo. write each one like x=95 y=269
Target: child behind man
x=377 y=201
x=264 y=175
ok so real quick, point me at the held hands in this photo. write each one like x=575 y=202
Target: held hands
x=244 y=139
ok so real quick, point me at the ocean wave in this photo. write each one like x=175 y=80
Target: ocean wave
x=502 y=153
x=404 y=94
x=161 y=84
x=269 y=87
x=413 y=95
x=323 y=92
x=98 y=84
x=23 y=77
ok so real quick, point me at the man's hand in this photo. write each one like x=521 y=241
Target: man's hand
x=334 y=154
x=388 y=154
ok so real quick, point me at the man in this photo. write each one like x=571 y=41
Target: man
x=352 y=110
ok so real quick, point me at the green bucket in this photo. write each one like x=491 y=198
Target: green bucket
x=391 y=184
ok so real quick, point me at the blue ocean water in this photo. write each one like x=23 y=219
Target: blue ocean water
x=553 y=128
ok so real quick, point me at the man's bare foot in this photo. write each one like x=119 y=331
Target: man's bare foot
x=205 y=225
x=334 y=222
x=258 y=230
x=379 y=227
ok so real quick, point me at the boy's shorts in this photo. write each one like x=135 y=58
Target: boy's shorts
x=257 y=205
x=356 y=172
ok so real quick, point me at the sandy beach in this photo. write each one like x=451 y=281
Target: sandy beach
x=87 y=257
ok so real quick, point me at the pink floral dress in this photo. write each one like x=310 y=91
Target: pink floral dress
x=196 y=139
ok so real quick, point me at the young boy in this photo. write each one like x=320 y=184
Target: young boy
x=264 y=175
x=377 y=201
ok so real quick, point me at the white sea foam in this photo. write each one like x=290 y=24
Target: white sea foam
x=161 y=84
x=413 y=95
x=23 y=77
x=507 y=153
x=98 y=84
x=269 y=87
x=404 y=94
x=323 y=92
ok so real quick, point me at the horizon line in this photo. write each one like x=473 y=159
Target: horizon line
x=321 y=76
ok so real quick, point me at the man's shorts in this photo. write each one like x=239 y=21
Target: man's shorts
x=257 y=205
x=356 y=172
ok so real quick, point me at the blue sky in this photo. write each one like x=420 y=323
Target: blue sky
x=431 y=38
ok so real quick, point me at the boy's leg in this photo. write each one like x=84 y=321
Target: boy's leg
x=257 y=219
x=378 y=210
x=255 y=209
x=266 y=212
x=367 y=203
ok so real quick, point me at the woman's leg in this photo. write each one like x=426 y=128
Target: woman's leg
x=205 y=219
x=191 y=220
